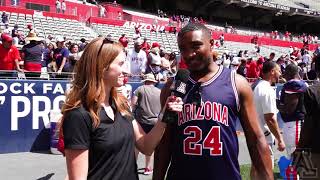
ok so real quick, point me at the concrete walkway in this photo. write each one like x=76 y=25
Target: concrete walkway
x=43 y=166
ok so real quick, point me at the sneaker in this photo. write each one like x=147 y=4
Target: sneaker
x=147 y=171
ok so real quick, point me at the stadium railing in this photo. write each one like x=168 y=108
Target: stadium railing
x=33 y=75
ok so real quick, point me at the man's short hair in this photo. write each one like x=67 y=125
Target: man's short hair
x=291 y=70
x=268 y=66
x=194 y=27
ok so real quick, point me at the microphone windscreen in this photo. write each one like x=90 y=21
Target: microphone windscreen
x=182 y=75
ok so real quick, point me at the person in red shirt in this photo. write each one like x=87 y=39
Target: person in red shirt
x=123 y=40
x=145 y=45
x=255 y=68
x=9 y=56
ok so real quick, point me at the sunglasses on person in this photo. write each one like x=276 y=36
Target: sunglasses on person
x=195 y=97
x=106 y=40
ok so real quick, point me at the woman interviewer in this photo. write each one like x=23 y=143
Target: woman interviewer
x=98 y=129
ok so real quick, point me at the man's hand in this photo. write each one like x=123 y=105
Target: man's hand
x=59 y=71
x=281 y=145
x=174 y=104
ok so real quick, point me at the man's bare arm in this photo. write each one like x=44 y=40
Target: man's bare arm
x=162 y=154
x=275 y=130
x=256 y=142
x=16 y=61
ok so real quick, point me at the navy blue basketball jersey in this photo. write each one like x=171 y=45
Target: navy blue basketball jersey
x=205 y=145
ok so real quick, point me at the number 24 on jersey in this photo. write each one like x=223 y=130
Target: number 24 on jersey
x=211 y=142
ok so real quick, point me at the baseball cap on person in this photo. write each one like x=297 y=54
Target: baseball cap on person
x=6 y=38
x=294 y=86
x=155 y=44
x=149 y=77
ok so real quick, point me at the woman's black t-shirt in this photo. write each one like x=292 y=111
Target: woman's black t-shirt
x=111 y=144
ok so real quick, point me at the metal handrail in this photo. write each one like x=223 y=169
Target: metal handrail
x=13 y=74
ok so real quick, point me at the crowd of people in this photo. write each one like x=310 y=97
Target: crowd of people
x=288 y=36
x=250 y=64
x=58 y=56
x=40 y=55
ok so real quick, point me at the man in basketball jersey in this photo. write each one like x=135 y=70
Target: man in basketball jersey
x=203 y=143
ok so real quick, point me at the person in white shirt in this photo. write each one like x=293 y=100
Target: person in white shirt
x=221 y=39
x=102 y=11
x=226 y=61
x=63 y=6
x=58 y=6
x=265 y=100
x=235 y=63
x=290 y=49
x=306 y=58
x=155 y=66
x=136 y=36
x=136 y=61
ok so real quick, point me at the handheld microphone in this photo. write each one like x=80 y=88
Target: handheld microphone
x=178 y=89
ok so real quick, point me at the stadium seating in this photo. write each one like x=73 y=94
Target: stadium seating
x=235 y=47
x=167 y=40
x=74 y=30
x=45 y=26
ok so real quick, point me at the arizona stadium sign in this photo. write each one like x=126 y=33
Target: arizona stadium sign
x=267 y=4
x=144 y=26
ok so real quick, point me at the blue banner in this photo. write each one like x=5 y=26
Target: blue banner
x=24 y=109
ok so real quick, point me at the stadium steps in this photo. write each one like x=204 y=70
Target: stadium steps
x=167 y=40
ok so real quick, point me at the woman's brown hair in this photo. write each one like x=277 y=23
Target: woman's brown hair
x=88 y=86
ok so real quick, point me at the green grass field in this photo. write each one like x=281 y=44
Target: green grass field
x=245 y=172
